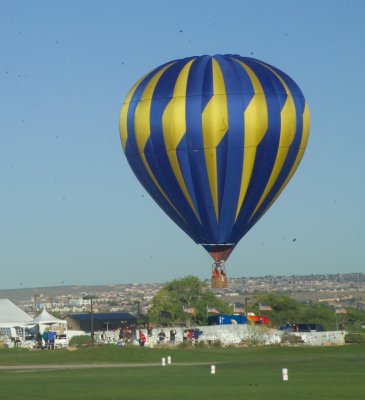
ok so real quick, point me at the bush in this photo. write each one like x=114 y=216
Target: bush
x=3 y=345
x=217 y=343
x=291 y=338
x=186 y=344
x=249 y=343
x=202 y=344
x=355 y=338
x=81 y=340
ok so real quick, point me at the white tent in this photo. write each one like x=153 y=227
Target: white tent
x=13 y=320
x=45 y=319
x=10 y=313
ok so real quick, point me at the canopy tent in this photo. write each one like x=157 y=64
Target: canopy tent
x=14 y=321
x=12 y=315
x=45 y=319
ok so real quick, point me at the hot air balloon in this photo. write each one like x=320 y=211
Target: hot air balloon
x=214 y=140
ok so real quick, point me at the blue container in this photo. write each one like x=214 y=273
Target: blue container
x=227 y=319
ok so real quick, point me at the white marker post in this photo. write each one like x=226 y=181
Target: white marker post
x=212 y=369
x=169 y=360
x=285 y=374
x=163 y=361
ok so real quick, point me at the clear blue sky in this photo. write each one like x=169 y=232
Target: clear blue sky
x=71 y=210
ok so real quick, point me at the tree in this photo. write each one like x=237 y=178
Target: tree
x=318 y=313
x=189 y=294
x=287 y=310
x=352 y=320
x=284 y=308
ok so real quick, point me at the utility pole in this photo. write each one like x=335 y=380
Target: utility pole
x=35 y=305
x=91 y=298
x=336 y=320
x=358 y=282
x=246 y=305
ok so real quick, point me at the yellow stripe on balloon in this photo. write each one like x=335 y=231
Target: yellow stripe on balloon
x=174 y=116
x=306 y=127
x=298 y=159
x=255 y=128
x=288 y=123
x=174 y=128
x=142 y=128
x=123 y=126
x=215 y=126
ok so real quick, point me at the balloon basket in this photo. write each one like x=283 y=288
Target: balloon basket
x=219 y=275
x=219 y=283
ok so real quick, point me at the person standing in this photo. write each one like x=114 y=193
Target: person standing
x=161 y=336
x=142 y=338
x=51 y=339
x=172 y=336
x=45 y=339
x=38 y=339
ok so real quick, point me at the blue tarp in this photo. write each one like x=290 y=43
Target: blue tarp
x=226 y=319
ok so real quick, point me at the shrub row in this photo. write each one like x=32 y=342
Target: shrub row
x=355 y=338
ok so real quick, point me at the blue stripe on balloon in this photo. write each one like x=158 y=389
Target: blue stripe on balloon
x=196 y=76
x=183 y=157
x=245 y=84
x=294 y=88
x=294 y=148
x=279 y=89
x=207 y=88
x=155 y=149
x=291 y=157
x=264 y=75
x=194 y=137
x=221 y=157
x=230 y=165
x=265 y=156
x=203 y=195
x=166 y=181
x=139 y=170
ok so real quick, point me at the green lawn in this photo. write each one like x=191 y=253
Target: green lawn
x=248 y=373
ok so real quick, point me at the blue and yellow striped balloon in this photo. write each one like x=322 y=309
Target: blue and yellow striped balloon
x=214 y=140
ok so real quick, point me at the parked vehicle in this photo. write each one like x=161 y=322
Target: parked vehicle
x=302 y=328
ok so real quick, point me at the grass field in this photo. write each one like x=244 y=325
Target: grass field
x=246 y=373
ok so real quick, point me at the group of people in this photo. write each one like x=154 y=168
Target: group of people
x=46 y=340
x=162 y=336
x=218 y=271
x=191 y=335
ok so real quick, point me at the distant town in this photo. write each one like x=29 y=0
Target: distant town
x=341 y=290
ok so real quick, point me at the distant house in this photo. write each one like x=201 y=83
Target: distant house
x=101 y=321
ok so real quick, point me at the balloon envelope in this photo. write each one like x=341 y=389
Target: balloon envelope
x=214 y=140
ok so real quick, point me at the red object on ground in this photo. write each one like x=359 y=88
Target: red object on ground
x=259 y=319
